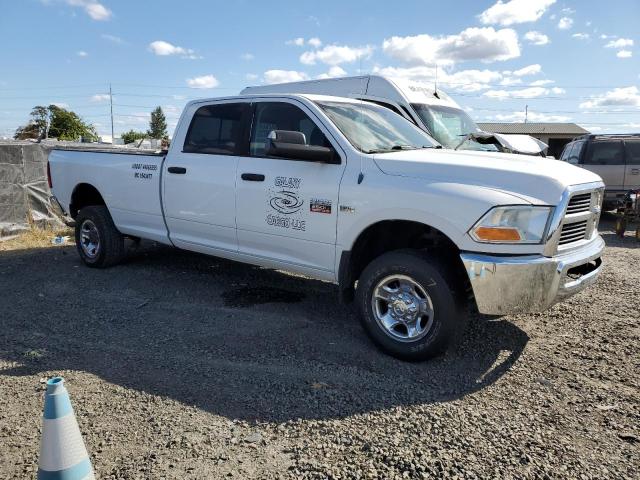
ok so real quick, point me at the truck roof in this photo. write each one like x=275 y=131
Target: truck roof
x=308 y=96
x=605 y=136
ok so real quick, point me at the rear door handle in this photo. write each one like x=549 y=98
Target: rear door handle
x=178 y=170
x=252 y=177
x=635 y=171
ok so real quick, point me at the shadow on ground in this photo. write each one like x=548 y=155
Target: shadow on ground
x=231 y=339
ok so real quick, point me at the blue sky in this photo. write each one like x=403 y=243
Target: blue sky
x=575 y=61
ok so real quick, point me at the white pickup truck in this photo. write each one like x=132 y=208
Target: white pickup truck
x=347 y=192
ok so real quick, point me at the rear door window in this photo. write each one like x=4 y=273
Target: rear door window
x=633 y=152
x=217 y=129
x=605 y=153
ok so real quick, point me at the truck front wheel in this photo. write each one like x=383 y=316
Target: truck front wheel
x=98 y=241
x=409 y=304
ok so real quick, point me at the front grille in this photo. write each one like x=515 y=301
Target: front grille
x=572 y=232
x=579 y=203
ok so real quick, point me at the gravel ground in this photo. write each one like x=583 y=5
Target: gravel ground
x=186 y=366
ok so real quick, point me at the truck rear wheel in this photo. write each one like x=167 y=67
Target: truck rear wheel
x=409 y=304
x=98 y=241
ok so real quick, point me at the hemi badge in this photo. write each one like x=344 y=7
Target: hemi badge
x=347 y=209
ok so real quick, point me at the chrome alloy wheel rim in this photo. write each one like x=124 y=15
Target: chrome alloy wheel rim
x=403 y=308
x=89 y=239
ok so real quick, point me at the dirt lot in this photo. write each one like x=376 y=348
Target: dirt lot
x=185 y=366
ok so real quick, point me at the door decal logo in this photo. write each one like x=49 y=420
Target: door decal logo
x=285 y=199
x=286 y=202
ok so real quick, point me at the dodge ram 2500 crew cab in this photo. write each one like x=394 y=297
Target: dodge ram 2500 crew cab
x=348 y=192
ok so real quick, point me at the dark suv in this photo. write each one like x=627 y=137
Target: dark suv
x=616 y=158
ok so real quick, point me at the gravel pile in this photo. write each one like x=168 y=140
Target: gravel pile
x=186 y=366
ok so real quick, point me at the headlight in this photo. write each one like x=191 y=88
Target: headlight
x=517 y=224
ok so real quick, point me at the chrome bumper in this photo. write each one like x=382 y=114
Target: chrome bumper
x=532 y=283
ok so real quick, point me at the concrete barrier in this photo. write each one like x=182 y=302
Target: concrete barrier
x=24 y=192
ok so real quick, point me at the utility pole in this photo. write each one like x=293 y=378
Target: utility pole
x=526 y=113
x=113 y=140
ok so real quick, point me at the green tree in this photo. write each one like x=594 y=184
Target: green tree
x=61 y=123
x=131 y=136
x=66 y=125
x=37 y=126
x=158 y=124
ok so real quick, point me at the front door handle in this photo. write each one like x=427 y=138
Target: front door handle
x=178 y=170
x=252 y=177
x=635 y=171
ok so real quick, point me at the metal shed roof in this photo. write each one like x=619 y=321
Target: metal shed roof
x=532 y=128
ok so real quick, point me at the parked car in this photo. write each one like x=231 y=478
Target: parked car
x=615 y=158
x=433 y=111
x=348 y=192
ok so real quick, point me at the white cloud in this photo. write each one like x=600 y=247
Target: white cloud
x=113 y=39
x=99 y=97
x=484 y=44
x=251 y=77
x=284 y=76
x=536 y=38
x=298 y=42
x=61 y=105
x=530 y=92
x=581 y=36
x=315 y=42
x=507 y=81
x=624 y=54
x=515 y=11
x=565 y=23
x=204 y=81
x=620 y=43
x=463 y=80
x=333 y=72
x=336 y=54
x=163 y=49
x=93 y=8
x=618 y=97
x=247 y=57
x=529 y=70
x=82 y=53
x=531 y=117
x=541 y=83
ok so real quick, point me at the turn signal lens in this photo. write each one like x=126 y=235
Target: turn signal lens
x=497 y=234
x=512 y=224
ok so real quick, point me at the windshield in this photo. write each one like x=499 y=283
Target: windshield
x=374 y=129
x=449 y=125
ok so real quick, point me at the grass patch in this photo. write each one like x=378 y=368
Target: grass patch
x=36 y=238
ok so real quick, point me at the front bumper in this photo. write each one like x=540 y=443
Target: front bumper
x=522 y=284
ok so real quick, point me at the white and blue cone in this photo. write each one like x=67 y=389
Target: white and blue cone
x=63 y=455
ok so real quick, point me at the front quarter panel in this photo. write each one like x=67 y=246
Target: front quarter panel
x=452 y=208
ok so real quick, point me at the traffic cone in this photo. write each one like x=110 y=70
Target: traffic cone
x=63 y=455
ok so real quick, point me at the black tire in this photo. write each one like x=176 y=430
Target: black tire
x=110 y=250
x=438 y=281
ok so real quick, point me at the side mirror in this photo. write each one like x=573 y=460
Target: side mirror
x=293 y=145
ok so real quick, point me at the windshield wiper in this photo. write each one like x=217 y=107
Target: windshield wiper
x=400 y=147
x=393 y=148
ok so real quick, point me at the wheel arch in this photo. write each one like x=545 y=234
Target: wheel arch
x=388 y=235
x=84 y=195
